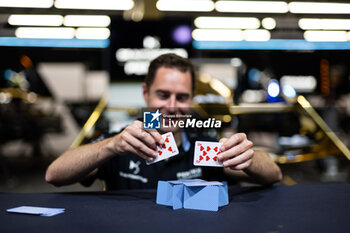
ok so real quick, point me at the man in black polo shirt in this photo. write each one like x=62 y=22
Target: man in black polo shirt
x=119 y=158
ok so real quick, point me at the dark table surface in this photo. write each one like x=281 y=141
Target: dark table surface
x=299 y=208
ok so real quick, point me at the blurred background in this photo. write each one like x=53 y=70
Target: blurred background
x=276 y=70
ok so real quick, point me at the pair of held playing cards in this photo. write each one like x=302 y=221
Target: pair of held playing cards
x=205 y=153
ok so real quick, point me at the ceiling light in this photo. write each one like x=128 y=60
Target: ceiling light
x=268 y=23
x=252 y=6
x=217 y=35
x=324 y=24
x=325 y=35
x=227 y=22
x=289 y=91
x=299 y=83
x=185 y=5
x=182 y=34
x=92 y=33
x=319 y=8
x=41 y=32
x=273 y=89
x=236 y=62
x=26 y=3
x=257 y=35
x=87 y=20
x=35 y=20
x=95 y=5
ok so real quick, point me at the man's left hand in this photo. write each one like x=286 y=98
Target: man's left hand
x=237 y=152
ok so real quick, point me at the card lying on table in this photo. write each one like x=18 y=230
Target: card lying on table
x=42 y=211
x=206 y=154
x=167 y=150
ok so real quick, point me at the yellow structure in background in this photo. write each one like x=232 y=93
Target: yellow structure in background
x=90 y=122
x=323 y=126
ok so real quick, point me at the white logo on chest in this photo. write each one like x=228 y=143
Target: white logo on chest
x=136 y=166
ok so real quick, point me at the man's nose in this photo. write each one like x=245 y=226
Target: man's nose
x=172 y=102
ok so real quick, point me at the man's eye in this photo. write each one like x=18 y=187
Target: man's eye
x=182 y=98
x=163 y=95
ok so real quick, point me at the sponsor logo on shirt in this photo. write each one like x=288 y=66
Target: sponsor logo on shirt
x=134 y=166
x=190 y=174
x=133 y=177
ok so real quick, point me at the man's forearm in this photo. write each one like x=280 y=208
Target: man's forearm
x=75 y=164
x=263 y=169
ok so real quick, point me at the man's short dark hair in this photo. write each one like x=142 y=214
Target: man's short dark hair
x=170 y=60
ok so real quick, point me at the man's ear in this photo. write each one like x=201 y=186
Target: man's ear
x=145 y=92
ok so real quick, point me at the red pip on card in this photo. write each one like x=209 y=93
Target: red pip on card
x=167 y=150
x=206 y=154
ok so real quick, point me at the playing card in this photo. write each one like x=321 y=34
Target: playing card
x=206 y=154
x=202 y=183
x=42 y=211
x=168 y=149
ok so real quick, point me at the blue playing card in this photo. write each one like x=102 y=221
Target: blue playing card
x=42 y=211
x=201 y=197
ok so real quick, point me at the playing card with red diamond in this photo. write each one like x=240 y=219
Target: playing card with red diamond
x=168 y=149
x=206 y=154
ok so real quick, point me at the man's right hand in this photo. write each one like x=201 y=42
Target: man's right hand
x=137 y=140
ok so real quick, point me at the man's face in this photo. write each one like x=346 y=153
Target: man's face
x=170 y=92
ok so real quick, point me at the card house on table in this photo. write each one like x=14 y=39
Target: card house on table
x=192 y=194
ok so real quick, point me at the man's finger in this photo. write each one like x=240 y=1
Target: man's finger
x=156 y=135
x=233 y=140
x=140 y=153
x=140 y=146
x=240 y=159
x=235 y=150
x=143 y=135
x=242 y=166
x=148 y=139
x=223 y=140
